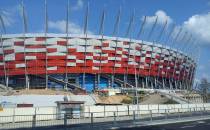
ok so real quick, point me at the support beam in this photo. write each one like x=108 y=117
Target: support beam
x=7 y=81
x=176 y=52
x=146 y=82
x=196 y=59
x=141 y=30
x=2 y=47
x=2 y=25
x=162 y=31
x=24 y=37
x=183 y=42
x=3 y=60
x=45 y=35
x=158 y=39
x=115 y=33
x=130 y=42
x=185 y=59
x=187 y=50
x=152 y=47
x=136 y=87
x=101 y=32
x=85 y=33
x=168 y=38
x=190 y=51
x=67 y=41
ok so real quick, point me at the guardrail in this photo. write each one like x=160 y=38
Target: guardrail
x=86 y=118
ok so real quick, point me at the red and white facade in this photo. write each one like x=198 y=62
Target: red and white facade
x=33 y=54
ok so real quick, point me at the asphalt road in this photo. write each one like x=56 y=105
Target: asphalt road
x=195 y=125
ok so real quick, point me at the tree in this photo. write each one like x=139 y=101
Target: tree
x=204 y=87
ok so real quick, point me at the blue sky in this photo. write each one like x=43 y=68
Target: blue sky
x=192 y=15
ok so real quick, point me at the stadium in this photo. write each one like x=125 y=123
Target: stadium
x=91 y=62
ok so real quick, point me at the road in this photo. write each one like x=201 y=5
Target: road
x=168 y=124
x=195 y=125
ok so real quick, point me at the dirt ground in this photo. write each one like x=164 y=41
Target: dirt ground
x=154 y=99
x=40 y=92
x=149 y=99
x=115 y=99
x=111 y=99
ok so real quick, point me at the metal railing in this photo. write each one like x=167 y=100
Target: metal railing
x=96 y=118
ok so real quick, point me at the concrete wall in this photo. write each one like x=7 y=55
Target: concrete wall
x=104 y=111
x=50 y=113
x=45 y=100
x=26 y=114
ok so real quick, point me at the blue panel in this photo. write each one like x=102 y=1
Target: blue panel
x=90 y=81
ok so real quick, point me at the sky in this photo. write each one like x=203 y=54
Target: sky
x=193 y=16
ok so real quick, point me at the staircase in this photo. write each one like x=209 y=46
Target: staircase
x=169 y=94
x=174 y=97
x=3 y=88
x=116 y=80
x=59 y=81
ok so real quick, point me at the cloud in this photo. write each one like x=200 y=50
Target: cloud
x=198 y=25
x=79 y=5
x=60 y=26
x=162 y=17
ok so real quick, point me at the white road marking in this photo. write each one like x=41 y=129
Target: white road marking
x=188 y=126
x=201 y=122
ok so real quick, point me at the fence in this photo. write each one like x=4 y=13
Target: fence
x=104 y=110
x=92 y=118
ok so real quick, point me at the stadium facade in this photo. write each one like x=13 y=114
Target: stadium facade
x=91 y=62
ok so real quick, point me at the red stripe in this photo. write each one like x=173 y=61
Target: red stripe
x=40 y=39
x=19 y=43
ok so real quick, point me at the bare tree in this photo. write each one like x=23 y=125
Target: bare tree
x=204 y=88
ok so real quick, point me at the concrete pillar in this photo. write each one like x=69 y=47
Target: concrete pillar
x=83 y=80
x=171 y=86
x=176 y=85
x=95 y=82
x=112 y=81
x=28 y=82
x=146 y=82
x=7 y=81
x=163 y=84
x=109 y=83
x=155 y=83
x=46 y=81
x=124 y=78
x=66 y=81
x=143 y=84
x=181 y=86
x=98 y=81
x=152 y=85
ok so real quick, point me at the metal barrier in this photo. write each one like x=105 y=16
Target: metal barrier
x=112 y=117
